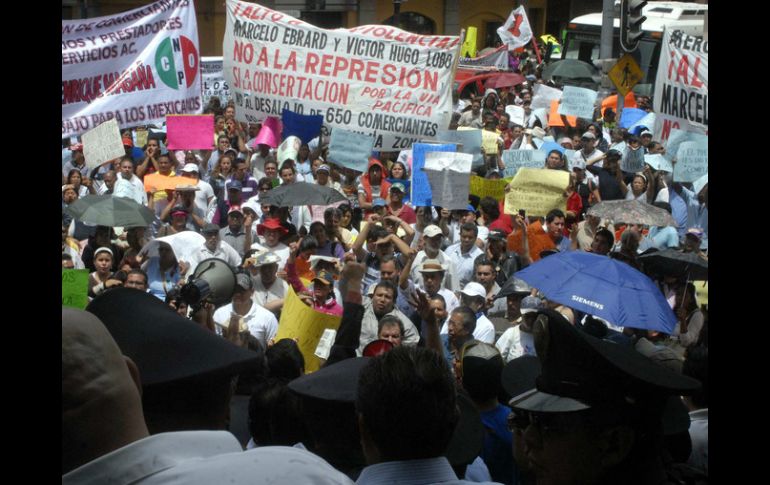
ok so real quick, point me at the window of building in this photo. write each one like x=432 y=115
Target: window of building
x=414 y=22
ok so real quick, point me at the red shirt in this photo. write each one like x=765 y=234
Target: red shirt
x=406 y=214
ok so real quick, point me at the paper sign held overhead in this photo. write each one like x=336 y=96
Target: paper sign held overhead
x=692 y=162
x=537 y=191
x=658 y=162
x=421 y=191
x=543 y=95
x=303 y=127
x=578 y=102
x=74 y=288
x=633 y=160
x=103 y=144
x=190 y=132
x=516 y=113
x=449 y=177
x=516 y=159
x=351 y=150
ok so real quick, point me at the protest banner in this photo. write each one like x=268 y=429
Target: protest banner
x=516 y=159
x=306 y=325
x=350 y=149
x=677 y=137
x=497 y=59
x=468 y=141
x=136 y=67
x=537 y=191
x=213 y=79
x=289 y=148
x=681 y=85
x=578 y=102
x=102 y=144
x=542 y=96
x=421 y=192
x=269 y=134
x=658 y=162
x=303 y=127
x=393 y=85
x=449 y=177
x=74 y=288
x=482 y=187
x=633 y=160
x=516 y=114
x=190 y=132
x=692 y=162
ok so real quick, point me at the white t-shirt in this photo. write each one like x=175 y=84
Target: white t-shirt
x=203 y=195
x=262 y=323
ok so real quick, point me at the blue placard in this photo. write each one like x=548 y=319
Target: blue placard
x=421 y=193
x=304 y=127
x=516 y=159
x=630 y=116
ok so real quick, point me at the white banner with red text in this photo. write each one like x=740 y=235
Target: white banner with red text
x=681 y=85
x=136 y=67
x=374 y=79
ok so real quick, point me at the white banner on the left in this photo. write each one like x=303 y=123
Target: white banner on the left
x=136 y=67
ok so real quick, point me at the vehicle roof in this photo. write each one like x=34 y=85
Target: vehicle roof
x=659 y=15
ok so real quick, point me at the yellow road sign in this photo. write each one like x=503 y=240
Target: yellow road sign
x=625 y=74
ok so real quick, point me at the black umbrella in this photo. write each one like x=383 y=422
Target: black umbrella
x=107 y=210
x=572 y=72
x=302 y=193
x=672 y=262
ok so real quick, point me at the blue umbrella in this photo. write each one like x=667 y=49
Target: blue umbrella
x=601 y=286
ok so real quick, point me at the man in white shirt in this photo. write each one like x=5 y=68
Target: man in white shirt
x=432 y=237
x=213 y=248
x=432 y=273
x=269 y=290
x=464 y=253
x=127 y=173
x=588 y=153
x=260 y=323
x=474 y=296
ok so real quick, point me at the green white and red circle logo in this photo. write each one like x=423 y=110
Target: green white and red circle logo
x=176 y=61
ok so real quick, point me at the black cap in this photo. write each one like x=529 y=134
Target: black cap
x=614 y=153
x=581 y=371
x=519 y=374
x=209 y=228
x=335 y=382
x=514 y=286
x=165 y=346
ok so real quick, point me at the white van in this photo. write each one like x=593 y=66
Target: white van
x=583 y=36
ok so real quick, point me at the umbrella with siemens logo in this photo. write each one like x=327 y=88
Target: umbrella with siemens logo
x=603 y=287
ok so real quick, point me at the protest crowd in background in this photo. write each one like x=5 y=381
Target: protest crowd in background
x=375 y=330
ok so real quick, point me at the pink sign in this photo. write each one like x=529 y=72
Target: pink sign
x=190 y=132
x=270 y=134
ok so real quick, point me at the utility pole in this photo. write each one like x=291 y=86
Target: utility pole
x=605 y=46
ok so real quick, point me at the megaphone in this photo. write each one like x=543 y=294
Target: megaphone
x=212 y=281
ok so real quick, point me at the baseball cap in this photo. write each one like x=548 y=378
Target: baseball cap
x=432 y=231
x=474 y=289
x=614 y=153
x=234 y=184
x=324 y=168
x=531 y=304
x=179 y=211
x=398 y=186
x=645 y=133
x=190 y=167
x=243 y=280
x=325 y=277
x=695 y=232
x=128 y=142
x=235 y=208
x=497 y=235
x=378 y=202
x=588 y=135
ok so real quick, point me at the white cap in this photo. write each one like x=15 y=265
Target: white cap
x=474 y=289
x=432 y=231
x=190 y=167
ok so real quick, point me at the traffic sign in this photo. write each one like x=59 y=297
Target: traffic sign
x=625 y=74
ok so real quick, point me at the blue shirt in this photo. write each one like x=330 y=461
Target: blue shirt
x=498 y=443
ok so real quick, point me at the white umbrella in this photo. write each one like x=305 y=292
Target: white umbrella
x=182 y=243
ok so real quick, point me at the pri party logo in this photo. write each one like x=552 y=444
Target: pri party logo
x=177 y=62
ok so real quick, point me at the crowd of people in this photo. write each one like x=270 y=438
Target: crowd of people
x=436 y=329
